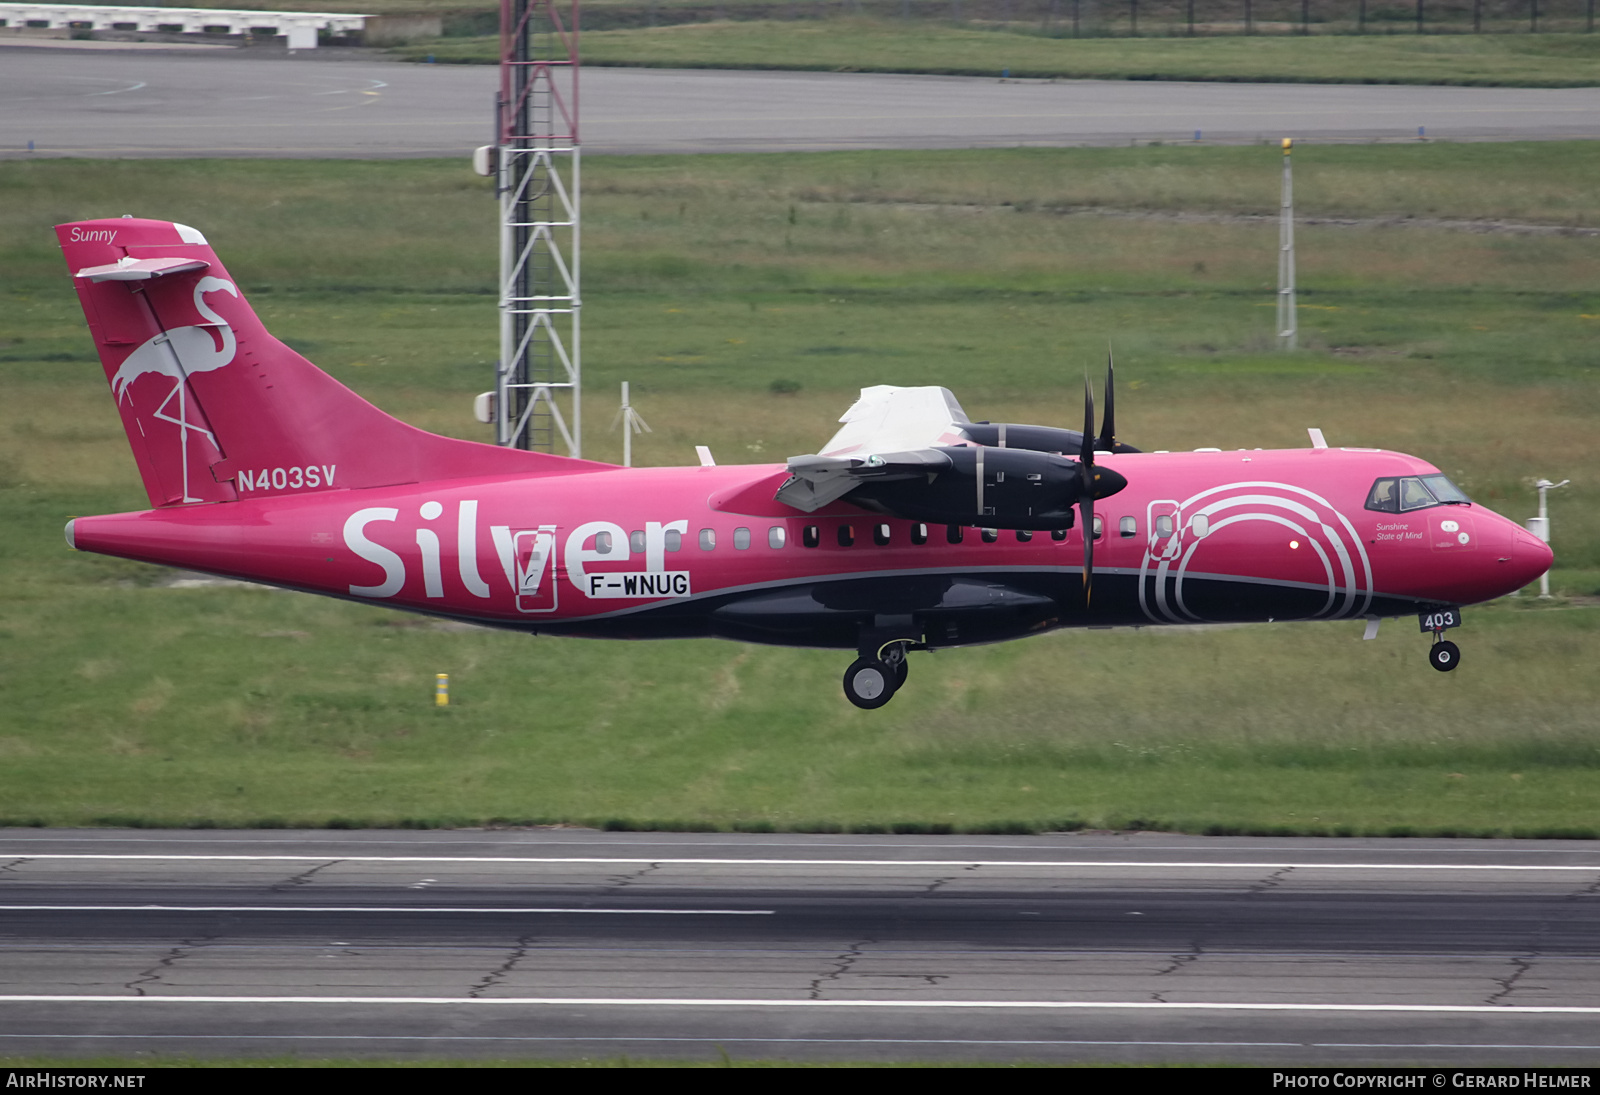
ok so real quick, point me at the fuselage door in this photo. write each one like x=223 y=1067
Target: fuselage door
x=1163 y=541
x=527 y=557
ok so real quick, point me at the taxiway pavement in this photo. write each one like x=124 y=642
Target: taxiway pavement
x=108 y=104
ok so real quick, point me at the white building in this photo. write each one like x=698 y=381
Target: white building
x=300 y=27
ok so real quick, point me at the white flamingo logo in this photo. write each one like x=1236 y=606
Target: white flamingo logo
x=178 y=353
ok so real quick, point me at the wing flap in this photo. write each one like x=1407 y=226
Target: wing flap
x=815 y=481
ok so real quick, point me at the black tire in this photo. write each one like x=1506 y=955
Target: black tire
x=869 y=683
x=1444 y=656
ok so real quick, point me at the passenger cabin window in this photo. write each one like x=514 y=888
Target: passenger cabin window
x=919 y=533
x=1398 y=495
x=1099 y=527
x=1164 y=525
x=775 y=537
x=953 y=534
x=708 y=539
x=990 y=535
x=674 y=540
x=1200 y=524
x=1058 y=534
x=880 y=535
x=741 y=539
x=602 y=543
x=1128 y=526
x=847 y=535
x=636 y=541
x=1023 y=536
x=811 y=536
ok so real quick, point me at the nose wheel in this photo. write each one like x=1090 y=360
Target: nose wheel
x=1444 y=655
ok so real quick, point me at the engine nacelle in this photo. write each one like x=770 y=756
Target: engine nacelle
x=990 y=488
x=1012 y=435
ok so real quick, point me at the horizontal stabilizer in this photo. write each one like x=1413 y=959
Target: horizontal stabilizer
x=132 y=269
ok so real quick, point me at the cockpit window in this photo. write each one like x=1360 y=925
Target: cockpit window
x=1414 y=492
x=1413 y=495
x=1445 y=491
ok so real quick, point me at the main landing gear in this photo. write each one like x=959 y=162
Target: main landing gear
x=870 y=683
x=874 y=677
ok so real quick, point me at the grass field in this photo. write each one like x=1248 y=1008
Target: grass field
x=885 y=45
x=707 y=279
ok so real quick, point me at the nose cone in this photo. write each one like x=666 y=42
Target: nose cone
x=1530 y=557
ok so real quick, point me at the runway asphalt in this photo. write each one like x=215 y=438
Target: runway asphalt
x=560 y=943
x=109 y=104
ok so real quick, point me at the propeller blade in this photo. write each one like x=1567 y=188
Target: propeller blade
x=1108 y=428
x=1087 y=453
x=1086 y=515
x=1086 y=478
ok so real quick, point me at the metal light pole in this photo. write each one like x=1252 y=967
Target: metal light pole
x=1288 y=328
x=1540 y=525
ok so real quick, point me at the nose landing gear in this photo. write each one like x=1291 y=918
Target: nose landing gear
x=1444 y=655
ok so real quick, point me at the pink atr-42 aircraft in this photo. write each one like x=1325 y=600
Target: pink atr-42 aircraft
x=914 y=528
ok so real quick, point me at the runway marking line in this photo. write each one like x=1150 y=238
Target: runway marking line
x=709 y=862
x=924 y=1005
x=429 y=909
x=777 y=1040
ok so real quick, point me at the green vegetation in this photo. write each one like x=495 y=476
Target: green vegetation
x=746 y=298
x=868 y=45
x=1342 y=41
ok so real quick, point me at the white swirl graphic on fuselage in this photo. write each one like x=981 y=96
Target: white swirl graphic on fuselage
x=1313 y=520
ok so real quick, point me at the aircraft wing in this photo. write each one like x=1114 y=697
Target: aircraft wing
x=913 y=453
x=889 y=419
x=889 y=433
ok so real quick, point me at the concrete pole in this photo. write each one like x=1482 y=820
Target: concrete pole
x=1288 y=327
x=1540 y=526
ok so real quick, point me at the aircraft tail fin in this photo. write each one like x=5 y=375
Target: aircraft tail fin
x=216 y=409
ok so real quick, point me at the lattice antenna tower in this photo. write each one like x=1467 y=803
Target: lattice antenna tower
x=538 y=384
